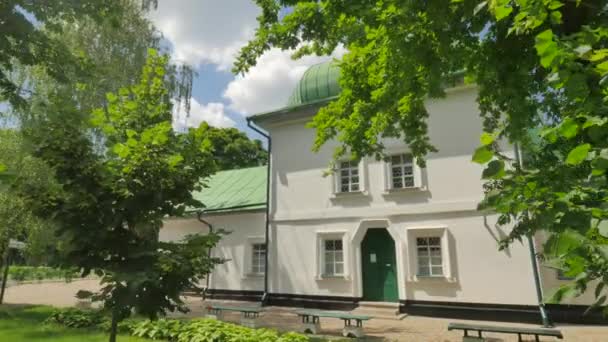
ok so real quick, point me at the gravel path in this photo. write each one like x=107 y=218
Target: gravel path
x=408 y=328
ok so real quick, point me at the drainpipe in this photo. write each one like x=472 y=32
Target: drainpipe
x=537 y=282
x=200 y=218
x=266 y=233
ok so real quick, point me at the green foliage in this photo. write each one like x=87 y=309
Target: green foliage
x=27 y=273
x=17 y=221
x=113 y=197
x=210 y=330
x=233 y=149
x=541 y=70
x=27 y=43
x=75 y=318
x=162 y=329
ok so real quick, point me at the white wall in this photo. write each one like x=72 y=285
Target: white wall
x=479 y=272
x=453 y=181
x=244 y=227
x=304 y=205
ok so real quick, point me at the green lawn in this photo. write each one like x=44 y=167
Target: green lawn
x=26 y=324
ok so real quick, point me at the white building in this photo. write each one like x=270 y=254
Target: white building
x=372 y=231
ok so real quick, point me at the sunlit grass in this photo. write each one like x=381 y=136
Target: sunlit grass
x=26 y=323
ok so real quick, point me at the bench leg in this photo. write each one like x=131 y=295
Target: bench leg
x=353 y=331
x=311 y=325
x=249 y=322
x=311 y=328
x=215 y=314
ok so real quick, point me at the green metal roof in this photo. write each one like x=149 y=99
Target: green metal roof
x=234 y=190
x=319 y=82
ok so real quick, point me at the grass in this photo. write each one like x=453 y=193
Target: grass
x=26 y=324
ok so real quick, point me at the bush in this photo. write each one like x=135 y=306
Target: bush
x=211 y=330
x=162 y=329
x=199 y=330
x=75 y=318
x=27 y=273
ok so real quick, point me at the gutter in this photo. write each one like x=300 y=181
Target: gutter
x=199 y=215
x=537 y=282
x=267 y=227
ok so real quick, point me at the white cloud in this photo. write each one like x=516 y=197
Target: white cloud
x=213 y=113
x=206 y=31
x=269 y=84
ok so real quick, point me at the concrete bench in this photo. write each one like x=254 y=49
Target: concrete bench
x=249 y=314
x=312 y=325
x=536 y=332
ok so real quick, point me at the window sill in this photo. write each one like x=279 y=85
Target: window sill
x=253 y=276
x=432 y=279
x=337 y=195
x=395 y=191
x=332 y=277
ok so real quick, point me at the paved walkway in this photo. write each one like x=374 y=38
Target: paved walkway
x=405 y=328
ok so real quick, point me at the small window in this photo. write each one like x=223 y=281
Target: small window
x=430 y=263
x=333 y=258
x=258 y=258
x=348 y=177
x=402 y=171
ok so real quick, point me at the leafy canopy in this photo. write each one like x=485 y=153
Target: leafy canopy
x=541 y=70
x=111 y=203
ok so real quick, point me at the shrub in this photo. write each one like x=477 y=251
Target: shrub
x=162 y=329
x=24 y=273
x=210 y=330
x=75 y=318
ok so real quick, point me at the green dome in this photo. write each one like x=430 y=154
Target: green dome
x=319 y=82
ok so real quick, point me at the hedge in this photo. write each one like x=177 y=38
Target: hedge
x=196 y=330
x=28 y=273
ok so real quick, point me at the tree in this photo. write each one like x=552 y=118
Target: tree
x=538 y=64
x=232 y=149
x=111 y=203
x=17 y=221
x=98 y=44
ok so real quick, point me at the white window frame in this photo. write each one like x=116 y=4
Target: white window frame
x=247 y=270
x=388 y=173
x=446 y=250
x=337 y=182
x=426 y=250
x=257 y=255
x=323 y=236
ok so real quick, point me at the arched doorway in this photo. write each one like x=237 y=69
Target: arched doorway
x=379 y=266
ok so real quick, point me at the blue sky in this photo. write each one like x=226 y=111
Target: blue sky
x=207 y=34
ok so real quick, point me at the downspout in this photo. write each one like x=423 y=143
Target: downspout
x=266 y=233
x=199 y=215
x=537 y=282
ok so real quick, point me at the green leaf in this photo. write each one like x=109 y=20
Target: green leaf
x=569 y=128
x=494 y=170
x=479 y=7
x=501 y=12
x=578 y=154
x=482 y=155
x=582 y=50
x=602 y=228
x=487 y=138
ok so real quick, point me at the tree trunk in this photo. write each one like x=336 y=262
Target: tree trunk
x=114 y=325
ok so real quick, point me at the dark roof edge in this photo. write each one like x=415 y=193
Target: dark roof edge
x=233 y=208
x=285 y=110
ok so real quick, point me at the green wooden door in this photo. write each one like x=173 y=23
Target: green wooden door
x=379 y=266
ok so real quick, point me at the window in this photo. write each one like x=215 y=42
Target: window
x=333 y=258
x=402 y=171
x=429 y=257
x=348 y=177
x=258 y=258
